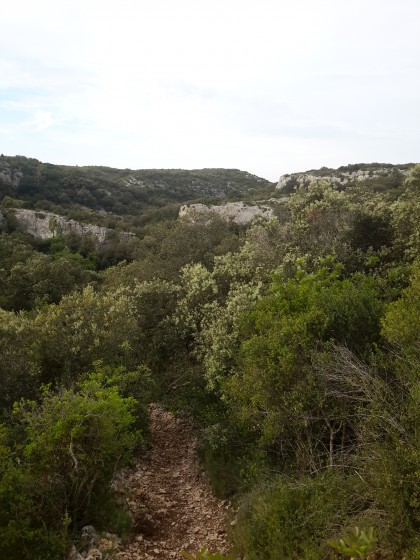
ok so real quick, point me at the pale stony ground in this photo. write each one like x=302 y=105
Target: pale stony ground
x=172 y=506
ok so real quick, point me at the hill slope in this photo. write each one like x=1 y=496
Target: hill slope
x=61 y=188
x=381 y=175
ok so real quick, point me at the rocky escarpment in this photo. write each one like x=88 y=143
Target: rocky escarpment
x=237 y=212
x=340 y=176
x=45 y=225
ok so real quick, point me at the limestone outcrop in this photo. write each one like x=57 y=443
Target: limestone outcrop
x=237 y=212
x=338 y=177
x=45 y=225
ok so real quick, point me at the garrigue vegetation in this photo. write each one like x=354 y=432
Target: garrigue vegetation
x=294 y=343
x=120 y=198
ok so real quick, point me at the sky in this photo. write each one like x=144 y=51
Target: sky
x=268 y=86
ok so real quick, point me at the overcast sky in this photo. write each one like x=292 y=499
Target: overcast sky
x=268 y=86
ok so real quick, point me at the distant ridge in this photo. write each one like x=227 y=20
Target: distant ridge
x=346 y=175
x=58 y=188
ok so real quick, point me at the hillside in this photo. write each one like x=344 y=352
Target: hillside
x=99 y=193
x=290 y=343
x=127 y=200
x=383 y=176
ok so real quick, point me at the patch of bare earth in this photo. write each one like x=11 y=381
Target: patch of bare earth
x=171 y=504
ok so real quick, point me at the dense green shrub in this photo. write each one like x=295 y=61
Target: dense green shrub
x=57 y=478
x=273 y=388
x=289 y=519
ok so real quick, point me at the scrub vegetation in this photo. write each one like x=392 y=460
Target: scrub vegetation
x=294 y=343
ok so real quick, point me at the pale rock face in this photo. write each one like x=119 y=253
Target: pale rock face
x=284 y=179
x=46 y=225
x=237 y=212
x=342 y=179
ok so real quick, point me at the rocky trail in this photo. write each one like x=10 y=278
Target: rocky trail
x=170 y=501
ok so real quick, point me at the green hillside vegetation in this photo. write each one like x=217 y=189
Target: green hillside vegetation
x=294 y=343
x=371 y=167
x=121 y=197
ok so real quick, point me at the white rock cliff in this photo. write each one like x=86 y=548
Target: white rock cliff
x=46 y=225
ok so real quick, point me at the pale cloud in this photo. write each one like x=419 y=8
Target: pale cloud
x=41 y=120
x=270 y=87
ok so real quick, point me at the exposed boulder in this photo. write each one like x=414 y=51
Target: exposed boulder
x=237 y=212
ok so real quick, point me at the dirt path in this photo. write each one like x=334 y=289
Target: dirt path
x=171 y=503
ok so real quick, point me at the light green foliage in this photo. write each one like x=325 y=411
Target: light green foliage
x=359 y=543
x=321 y=219
x=406 y=216
x=85 y=327
x=263 y=250
x=198 y=291
x=213 y=302
x=218 y=340
x=233 y=268
x=265 y=246
x=346 y=224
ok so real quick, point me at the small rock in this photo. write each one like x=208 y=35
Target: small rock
x=94 y=554
x=89 y=537
x=105 y=545
x=73 y=554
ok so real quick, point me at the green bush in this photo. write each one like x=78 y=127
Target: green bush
x=58 y=477
x=293 y=519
